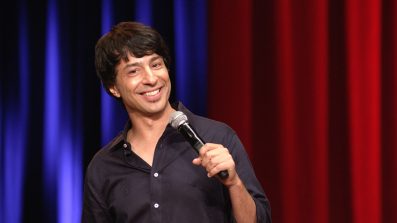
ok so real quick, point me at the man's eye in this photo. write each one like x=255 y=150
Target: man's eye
x=133 y=71
x=156 y=65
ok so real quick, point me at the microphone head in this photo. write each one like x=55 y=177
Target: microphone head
x=177 y=118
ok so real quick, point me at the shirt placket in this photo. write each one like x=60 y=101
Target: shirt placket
x=155 y=190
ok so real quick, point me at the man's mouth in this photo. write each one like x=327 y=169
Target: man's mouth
x=151 y=93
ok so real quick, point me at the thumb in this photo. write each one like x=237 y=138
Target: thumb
x=197 y=161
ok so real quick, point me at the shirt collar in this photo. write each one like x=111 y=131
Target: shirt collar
x=121 y=142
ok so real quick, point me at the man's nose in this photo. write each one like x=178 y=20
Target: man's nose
x=149 y=77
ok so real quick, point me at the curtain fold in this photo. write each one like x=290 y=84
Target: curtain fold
x=389 y=110
x=302 y=83
x=363 y=36
x=229 y=68
x=191 y=54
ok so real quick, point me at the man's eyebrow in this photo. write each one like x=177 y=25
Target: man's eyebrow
x=131 y=65
x=154 y=58
x=140 y=63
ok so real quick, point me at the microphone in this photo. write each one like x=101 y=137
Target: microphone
x=178 y=120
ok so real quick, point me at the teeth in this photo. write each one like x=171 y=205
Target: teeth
x=152 y=93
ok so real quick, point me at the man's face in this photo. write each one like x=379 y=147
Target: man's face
x=143 y=84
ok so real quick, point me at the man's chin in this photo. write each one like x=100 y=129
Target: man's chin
x=155 y=109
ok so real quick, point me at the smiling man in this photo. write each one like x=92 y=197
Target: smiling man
x=149 y=172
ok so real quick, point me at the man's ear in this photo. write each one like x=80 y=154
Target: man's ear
x=114 y=91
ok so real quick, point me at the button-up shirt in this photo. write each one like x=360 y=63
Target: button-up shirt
x=122 y=187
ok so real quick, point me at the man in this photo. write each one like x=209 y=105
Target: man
x=149 y=172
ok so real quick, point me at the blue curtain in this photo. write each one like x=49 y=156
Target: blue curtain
x=191 y=53
x=54 y=114
x=14 y=118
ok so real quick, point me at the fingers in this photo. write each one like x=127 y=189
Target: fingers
x=215 y=167
x=214 y=158
x=210 y=154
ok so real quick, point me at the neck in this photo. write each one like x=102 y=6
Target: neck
x=149 y=127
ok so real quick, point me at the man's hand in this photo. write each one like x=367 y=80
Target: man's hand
x=215 y=158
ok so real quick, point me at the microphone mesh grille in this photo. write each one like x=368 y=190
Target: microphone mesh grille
x=177 y=118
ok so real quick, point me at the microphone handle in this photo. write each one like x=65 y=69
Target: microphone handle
x=196 y=142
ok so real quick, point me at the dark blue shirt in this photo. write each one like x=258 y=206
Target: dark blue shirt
x=121 y=187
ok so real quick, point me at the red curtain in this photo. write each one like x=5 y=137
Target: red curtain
x=230 y=63
x=309 y=86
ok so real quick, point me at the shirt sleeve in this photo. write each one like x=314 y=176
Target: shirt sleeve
x=246 y=173
x=94 y=207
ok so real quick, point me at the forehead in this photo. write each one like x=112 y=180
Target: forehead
x=131 y=59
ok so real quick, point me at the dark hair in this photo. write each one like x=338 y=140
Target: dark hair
x=126 y=38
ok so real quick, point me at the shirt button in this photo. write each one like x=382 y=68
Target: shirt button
x=125 y=145
x=156 y=174
x=156 y=205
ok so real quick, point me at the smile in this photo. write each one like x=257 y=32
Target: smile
x=151 y=93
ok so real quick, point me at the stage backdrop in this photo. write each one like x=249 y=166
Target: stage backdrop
x=309 y=86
